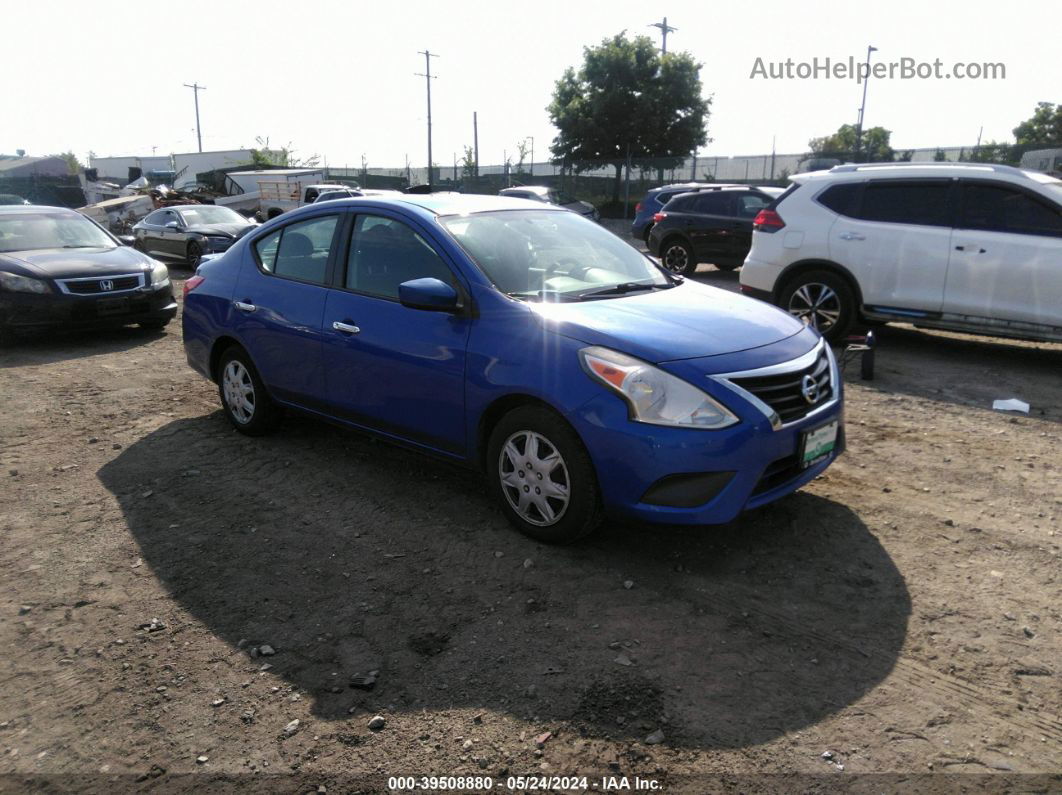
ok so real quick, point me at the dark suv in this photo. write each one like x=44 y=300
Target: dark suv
x=712 y=225
x=654 y=202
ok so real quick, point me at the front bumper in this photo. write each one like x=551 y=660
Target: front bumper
x=31 y=312
x=631 y=458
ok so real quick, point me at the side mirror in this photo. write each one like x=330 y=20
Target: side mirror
x=429 y=294
x=173 y=225
x=127 y=240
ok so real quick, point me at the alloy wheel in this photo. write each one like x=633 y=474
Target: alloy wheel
x=239 y=391
x=676 y=259
x=816 y=304
x=534 y=478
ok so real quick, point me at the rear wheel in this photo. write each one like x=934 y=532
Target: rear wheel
x=677 y=256
x=823 y=300
x=243 y=395
x=542 y=476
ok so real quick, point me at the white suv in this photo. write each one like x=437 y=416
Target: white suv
x=967 y=247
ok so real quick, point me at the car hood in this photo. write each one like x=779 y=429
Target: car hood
x=72 y=262
x=581 y=207
x=688 y=321
x=221 y=230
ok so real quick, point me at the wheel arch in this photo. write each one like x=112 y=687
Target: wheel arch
x=803 y=266
x=217 y=350
x=497 y=409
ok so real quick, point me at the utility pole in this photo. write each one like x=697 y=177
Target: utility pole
x=863 y=107
x=475 y=138
x=427 y=79
x=664 y=29
x=196 y=88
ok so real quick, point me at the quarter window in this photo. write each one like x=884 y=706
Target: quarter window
x=299 y=251
x=842 y=198
x=997 y=209
x=898 y=202
x=749 y=204
x=384 y=253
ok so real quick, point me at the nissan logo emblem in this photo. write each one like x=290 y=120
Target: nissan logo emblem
x=106 y=285
x=809 y=388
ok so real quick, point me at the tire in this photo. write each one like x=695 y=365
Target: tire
x=193 y=253
x=238 y=380
x=824 y=300
x=533 y=437
x=677 y=256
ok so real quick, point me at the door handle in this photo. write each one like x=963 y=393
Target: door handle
x=851 y=236
x=345 y=328
x=243 y=306
x=972 y=249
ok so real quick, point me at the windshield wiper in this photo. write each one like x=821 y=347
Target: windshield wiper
x=622 y=289
x=545 y=295
x=82 y=245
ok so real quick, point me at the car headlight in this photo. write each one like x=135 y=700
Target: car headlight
x=655 y=397
x=160 y=275
x=22 y=284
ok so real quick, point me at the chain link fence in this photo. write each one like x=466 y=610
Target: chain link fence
x=616 y=187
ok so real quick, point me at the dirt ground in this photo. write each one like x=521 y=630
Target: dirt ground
x=900 y=616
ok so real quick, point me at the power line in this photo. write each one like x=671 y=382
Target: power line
x=664 y=30
x=196 y=88
x=428 y=55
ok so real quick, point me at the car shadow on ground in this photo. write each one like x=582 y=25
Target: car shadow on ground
x=969 y=370
x=349 y=555
x=48 y=347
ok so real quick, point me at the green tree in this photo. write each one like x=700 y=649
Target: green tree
x=284 y=156
x=626 y=97
x=1043 y=127
x=939 y=156
x=874 y=147
x=468 y=163
x=993 y=152
x=73 y=165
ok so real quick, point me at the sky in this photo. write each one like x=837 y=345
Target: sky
x=338 y=78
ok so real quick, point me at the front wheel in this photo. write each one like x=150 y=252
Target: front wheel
x=193 y=254
x=677 y=257
x=542 y=476
x=243 y=395
x=823 y=300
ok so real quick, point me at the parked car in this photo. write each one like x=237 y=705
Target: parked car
x=186 y=231
x=11 y=199
x=542 y=193
x=59 y=269
x=967 y=247
x=712 y=225
x=353 y=193
x=1046 y=160
x=525 y=341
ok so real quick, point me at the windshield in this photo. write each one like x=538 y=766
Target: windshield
x=33 y=231
x=551 y=255
x=206 y=214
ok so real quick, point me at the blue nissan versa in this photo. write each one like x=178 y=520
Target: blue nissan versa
x=526 y=341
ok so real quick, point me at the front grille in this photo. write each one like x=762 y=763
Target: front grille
x=101 y=284
x=786 y=393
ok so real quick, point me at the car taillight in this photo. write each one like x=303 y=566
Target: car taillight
x=767 y=221
x=659 y=217
x=191 y=284
x=638 y=207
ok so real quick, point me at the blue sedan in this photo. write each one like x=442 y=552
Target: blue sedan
x=524 y=341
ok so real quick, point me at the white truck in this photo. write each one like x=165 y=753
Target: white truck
x=280 y=189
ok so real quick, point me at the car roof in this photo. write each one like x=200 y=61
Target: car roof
x=693 y=187
x=439 y=204
x=863 y=171
x=35 y=209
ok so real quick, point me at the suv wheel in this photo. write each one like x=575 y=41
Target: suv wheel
x=542 y=476
x=677 y=256
x=821 y=299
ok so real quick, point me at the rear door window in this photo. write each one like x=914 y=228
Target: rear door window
x=995 y=208
x=300 y=250
x=714 y=204
x=919 y=202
